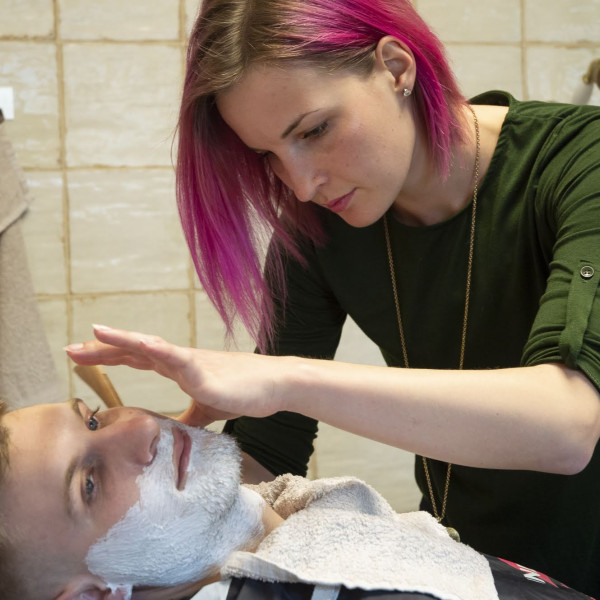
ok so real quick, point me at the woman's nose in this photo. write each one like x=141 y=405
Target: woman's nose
x=131 y=435
x=303 y=177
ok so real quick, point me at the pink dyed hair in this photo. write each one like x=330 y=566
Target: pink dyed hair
x=229 y=201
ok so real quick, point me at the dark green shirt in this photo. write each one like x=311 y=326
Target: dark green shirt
x=534 y=299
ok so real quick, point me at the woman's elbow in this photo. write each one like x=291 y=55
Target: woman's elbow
x=575 y=463
x=579 y=424
x=580 y=446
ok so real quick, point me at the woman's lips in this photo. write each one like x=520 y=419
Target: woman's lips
x=181 y=454
x=340 y=204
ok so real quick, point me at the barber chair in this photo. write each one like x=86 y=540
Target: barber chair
x=97 y=379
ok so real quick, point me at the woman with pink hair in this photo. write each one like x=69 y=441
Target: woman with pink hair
x=327 y=166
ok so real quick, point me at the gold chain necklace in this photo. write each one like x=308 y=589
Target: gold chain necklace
x=440 y=516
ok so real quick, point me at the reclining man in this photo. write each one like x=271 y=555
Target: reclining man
x=95 y=505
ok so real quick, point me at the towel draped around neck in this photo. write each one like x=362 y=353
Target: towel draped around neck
x=340 y=531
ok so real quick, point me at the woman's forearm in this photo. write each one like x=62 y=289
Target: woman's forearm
x=544 y=418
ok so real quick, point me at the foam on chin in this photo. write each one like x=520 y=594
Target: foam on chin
x=171 y=537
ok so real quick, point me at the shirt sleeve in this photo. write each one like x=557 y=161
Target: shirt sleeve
x=309 y=324
x=567 y=326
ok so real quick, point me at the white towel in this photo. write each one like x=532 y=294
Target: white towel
x=27 y=371
x=340 y=531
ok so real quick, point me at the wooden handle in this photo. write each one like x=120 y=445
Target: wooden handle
x=98 y=380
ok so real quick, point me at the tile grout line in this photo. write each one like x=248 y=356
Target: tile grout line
x=64 y=176
x=524 y=49
x=191 y=292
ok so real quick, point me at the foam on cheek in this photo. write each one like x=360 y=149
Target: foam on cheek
x=170 y=537
x=126 y=591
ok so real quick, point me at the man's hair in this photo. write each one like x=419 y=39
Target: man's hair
x=14 y=584
x=10 y=589
x=224 y=190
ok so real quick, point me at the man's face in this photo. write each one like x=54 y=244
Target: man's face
x=72 y=476
x=72 y=497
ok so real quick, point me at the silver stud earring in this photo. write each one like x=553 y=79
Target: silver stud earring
x=406 y=92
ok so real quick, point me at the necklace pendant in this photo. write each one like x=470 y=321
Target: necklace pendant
x=453 y=534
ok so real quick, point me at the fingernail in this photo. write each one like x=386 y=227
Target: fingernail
x=73 y=347
x=100 y=327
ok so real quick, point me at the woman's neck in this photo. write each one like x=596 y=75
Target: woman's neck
x=428 y=198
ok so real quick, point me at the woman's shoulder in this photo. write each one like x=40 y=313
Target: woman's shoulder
x=539 y=138
x=532 y=112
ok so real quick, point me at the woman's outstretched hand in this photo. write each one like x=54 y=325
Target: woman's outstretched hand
x=224 y=385
x=542 y=418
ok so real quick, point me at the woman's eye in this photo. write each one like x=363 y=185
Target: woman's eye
x=317 y=131
x=92 y=422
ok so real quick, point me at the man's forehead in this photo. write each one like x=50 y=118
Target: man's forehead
x=36 y=453
x=31 y=499
x=35 y=426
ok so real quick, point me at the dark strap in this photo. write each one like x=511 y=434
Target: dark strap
x=512 y=582
x=249 y=589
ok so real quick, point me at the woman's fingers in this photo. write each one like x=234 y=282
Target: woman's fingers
x=94 y=352
x=152 y=347
x=122 y=338
x=142 y=351
x=120 y=347
x=223 y=384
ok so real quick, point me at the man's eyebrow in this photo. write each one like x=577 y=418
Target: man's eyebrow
x=296 y=123
x=70 y=472
x=74 y=404
x=68 y=482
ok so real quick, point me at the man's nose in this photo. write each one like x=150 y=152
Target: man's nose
x=132 y=435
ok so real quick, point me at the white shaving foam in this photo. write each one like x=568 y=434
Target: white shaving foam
x=170 y=536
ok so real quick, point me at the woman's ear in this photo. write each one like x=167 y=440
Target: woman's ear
x=90 y=587
x=396 y=58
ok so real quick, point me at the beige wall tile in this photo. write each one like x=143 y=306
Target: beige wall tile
x=125 y=232
x=43 y=229
x=162 y=314
x=27 y=18
x=469 y=21
x=562 y=21
x=387 y=469
x=53 y=312
x=484 y=68
x=118 y=20
x=121 y=103
x=192 y=8
x=556 y=73
x=210 y=331
x=30 y=69
x=356 y=347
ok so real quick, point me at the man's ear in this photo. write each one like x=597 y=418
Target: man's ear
x=90 y=587
x=395 y=57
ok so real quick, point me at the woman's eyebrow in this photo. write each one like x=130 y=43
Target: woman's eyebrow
x=296 y=123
